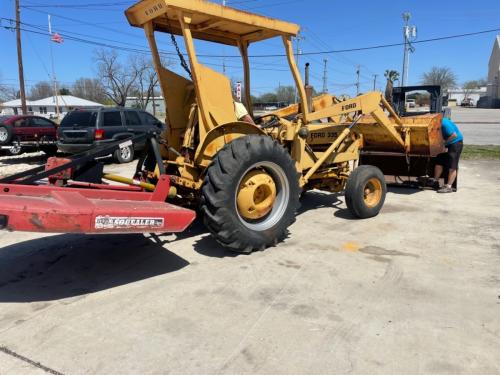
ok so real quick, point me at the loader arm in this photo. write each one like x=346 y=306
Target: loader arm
x=373 y=104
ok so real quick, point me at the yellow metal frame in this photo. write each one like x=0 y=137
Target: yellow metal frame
x=201 y=117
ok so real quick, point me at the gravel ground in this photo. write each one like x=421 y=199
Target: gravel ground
x=10 y=165
x=13 y=164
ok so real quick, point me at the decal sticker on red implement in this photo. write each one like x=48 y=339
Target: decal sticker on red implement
x=112 y=222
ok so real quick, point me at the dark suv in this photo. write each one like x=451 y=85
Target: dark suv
x=82 y=130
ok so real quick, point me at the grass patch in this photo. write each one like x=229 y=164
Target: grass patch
x=472 y=152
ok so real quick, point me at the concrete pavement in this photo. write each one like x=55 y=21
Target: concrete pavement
x=415 y=290
x=479 y=126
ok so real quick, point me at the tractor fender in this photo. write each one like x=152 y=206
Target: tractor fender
x=218 y=137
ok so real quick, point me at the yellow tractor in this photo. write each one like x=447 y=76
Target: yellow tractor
x=247 y=179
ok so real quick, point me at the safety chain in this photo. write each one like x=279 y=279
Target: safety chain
x=179 y=53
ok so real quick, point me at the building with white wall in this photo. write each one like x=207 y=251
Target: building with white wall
x=457 y=96
x=494 y=76
x=47 y=107
x=156 y=106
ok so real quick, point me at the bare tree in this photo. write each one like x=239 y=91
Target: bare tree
x=285 y=94
x=146 y=81
x=90 y=89
x=117 y=79
x=41 y=90
x=442 y=76
x=470 y=86
x=7 y=93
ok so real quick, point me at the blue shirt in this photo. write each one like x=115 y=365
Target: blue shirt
x=448 y=127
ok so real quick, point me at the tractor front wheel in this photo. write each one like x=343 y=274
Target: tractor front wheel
x=251 y=194
x=365 y=191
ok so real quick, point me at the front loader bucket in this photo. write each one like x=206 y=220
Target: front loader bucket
x=52 y=209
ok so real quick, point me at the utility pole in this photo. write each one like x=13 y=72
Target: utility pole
x=375 y=82
x=20 y=58
x=358 y=71
x=325 y=77
x=409 y=34
x=56 y=94
x=298 y=38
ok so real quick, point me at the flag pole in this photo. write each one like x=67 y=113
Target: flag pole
x=53 y=69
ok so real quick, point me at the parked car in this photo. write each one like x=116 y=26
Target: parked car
x=19 y=133
x=411 y=103
x=83 y=130
x=467 y=102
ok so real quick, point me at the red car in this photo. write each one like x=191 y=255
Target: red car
x=21 y=133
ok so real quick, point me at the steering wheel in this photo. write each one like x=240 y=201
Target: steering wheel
x=272 y=122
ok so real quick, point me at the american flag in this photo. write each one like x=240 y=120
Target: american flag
x=56 y=38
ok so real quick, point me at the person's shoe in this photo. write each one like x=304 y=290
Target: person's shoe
x=445 y=189
x=432 y=183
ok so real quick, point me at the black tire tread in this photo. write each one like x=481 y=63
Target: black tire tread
x=219 y=217
x=353 y=192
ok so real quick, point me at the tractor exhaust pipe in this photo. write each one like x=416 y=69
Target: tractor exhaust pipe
x=309 y=89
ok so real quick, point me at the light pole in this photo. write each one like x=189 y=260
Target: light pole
x=298 y=38
x=409 y=34
x=325 y=76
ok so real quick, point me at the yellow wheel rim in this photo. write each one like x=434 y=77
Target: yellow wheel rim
x=373 y=192
x=256 y=195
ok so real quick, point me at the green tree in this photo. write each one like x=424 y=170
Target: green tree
x=441 y=76
x=269 y=97
x=391 y=75
x=64 y=91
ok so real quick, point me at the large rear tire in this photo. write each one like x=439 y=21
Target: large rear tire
x=6 y=134
x=365 y=191
x=250 y=194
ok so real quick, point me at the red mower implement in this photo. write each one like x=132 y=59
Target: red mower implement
x=69 y=196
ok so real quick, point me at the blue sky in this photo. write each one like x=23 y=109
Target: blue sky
x=326 y=25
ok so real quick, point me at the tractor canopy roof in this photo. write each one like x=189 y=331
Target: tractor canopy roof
x=209 y=21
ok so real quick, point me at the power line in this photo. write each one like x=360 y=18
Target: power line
x=121 y=32
x=341 y=58
x=128 y=49
x=80 y=5
x=357 y=49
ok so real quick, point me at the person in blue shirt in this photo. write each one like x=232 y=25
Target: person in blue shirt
x=454 y=142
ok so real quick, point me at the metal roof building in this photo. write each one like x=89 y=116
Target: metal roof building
x=47 y=107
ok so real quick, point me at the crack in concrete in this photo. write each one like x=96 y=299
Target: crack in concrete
x=38 y=365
